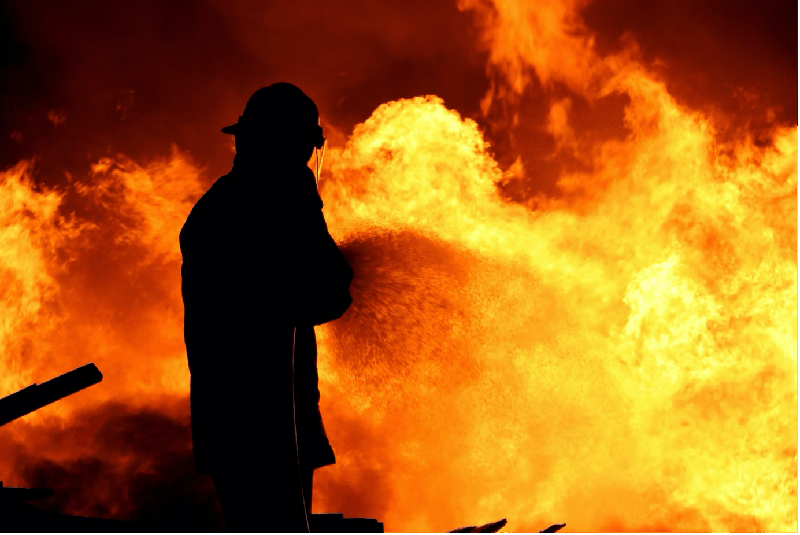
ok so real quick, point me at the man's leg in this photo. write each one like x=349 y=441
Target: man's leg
x=256 y=468
x=254 y=500
x=233 y=509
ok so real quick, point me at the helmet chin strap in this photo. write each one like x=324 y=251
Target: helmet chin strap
x=320 y=153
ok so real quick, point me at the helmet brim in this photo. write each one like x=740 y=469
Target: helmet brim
x=232 y=129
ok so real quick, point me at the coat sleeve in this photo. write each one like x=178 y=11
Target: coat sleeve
x=325 y=276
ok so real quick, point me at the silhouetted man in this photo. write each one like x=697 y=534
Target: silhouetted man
x=259 y=271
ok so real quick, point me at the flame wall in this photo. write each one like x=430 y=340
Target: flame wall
x=576 y=277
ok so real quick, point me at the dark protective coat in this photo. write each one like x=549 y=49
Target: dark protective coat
x=258 y=261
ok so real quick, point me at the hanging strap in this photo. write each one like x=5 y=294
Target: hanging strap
x=294 y=422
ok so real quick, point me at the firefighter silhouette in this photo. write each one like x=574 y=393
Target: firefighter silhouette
x=259 y=271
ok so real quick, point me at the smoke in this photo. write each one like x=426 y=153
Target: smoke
x=135 y=78
x=124 y=463
x=542 y=54
x=713 y=59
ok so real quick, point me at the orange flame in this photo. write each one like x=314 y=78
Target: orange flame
x=541 y=365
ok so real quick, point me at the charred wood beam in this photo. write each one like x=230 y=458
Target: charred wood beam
x=494 y=527
x=21 y=494
x=489 y=527
x=36 y=396
x=22 y=517
x=552 y=529
x=337 y=523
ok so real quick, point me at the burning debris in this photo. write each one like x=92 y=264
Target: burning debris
x=36 y=396
x=16 y=515
x=497 y=525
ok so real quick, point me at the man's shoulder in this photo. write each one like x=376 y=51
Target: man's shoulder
x=303 y=190
x=207 y=210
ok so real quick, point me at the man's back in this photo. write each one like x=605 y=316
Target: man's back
x=244 y=257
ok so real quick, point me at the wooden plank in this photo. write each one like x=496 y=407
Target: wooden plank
x=36 y=396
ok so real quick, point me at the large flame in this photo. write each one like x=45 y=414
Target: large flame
x=615 y=359
x=620 y=356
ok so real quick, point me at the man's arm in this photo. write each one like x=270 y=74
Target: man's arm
x=324 y=275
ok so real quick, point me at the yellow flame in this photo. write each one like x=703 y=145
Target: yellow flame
x=30 y=232
x=636 y=343
x=55 y=316
x=157 y=197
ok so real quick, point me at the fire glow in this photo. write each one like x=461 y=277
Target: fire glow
x=620 y=357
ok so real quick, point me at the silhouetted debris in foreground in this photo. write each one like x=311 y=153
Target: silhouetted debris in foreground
x=337 y=523
x=494 y=527
x=553 y=528
x=22 y=517
x=36 y=396
x=21 y=494
x=16 y=515
x=490 y=527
